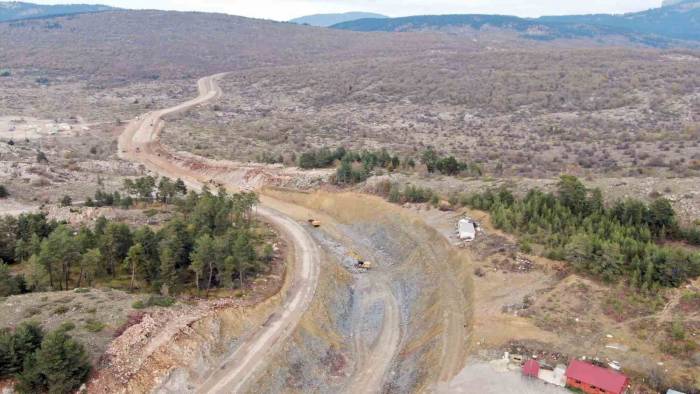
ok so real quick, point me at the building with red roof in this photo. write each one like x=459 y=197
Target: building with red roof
x=531 y=368
x=595 y=380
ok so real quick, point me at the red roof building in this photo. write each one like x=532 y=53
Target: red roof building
x=531 y=368
x=595 y=380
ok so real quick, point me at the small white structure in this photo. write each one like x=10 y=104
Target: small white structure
x=466 y=230
x=556 y=377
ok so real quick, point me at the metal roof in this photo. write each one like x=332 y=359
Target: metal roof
x=603 y=378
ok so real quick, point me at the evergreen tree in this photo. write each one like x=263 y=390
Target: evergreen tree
x=58 y=252
x=59 y=366
x=114 y=245
x=16 y=347
x=203 y=257
x=8 y=283
x=135 y=261
x=244 y=256
x=149 y=240
x=90 y=264
x=168 y=273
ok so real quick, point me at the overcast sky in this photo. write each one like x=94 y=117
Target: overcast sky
x=288 y=9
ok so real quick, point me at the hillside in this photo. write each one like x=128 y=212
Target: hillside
x=13 y=10
x=656 y=27
x=121 y=45
x=325 y=20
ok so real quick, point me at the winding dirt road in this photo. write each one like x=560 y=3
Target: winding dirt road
x=140 y=143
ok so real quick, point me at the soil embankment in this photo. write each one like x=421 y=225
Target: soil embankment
x=402 y=327
x=406 y=325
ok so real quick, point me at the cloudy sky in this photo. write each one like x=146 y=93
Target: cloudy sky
x=288 y=9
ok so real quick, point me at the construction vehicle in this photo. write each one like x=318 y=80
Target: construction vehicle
x=360 y=262
x=314 y=222
x=364 y=264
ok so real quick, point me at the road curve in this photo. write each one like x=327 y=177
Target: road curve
x=140 y=143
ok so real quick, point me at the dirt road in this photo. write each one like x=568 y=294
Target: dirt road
x=376 y=354
x=374 y=358
x=139 y=142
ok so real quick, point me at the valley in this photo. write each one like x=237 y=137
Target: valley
x=192 y=206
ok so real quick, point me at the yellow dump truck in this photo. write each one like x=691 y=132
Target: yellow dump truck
x=314 y=222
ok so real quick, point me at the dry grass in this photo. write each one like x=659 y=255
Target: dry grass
x=95 y=314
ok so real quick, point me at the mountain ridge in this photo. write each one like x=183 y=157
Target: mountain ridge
x=657 y=27
x=326 y=20
x=17 y=10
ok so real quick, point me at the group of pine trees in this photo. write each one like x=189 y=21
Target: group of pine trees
x=448 y=165
x=621 y=241
x=210 y=241
x=355 y=166
x=145 y=189
x=40 y=362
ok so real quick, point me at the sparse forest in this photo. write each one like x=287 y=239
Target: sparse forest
x=212 y=241
x=623 y=241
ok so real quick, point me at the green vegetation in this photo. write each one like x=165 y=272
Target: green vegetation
x=623 y=241
x=60 y=310
x=10 y=284
x=93 y=325
x=162 y=301
x=210 y=242
x=354 y=166
x=59 y=365
x=3 y=192
x=66 y=201
x=146 y=189
x=54 y=363
x=357 y=166
x=138 y=305
x=676 y=342
x=410 y=193
x=5 y=73
x=17 y=346
x=448 y=165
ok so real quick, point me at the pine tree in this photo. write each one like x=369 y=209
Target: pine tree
x=168 y=274
x=135 y=261
x=16 y=347
x=90 y=264
x=59 y=366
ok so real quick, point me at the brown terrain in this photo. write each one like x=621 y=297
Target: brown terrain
x=431 y=310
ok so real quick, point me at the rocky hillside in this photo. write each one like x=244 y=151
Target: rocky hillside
x=14 y=10
x=158 y=44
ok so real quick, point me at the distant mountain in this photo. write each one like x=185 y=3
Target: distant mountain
x=325 y=20
x=14 y=10
x=655 y=27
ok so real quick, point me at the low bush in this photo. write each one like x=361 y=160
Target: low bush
x=162 y=301
x=93 y=325
x=60 y=310
x=138 y=305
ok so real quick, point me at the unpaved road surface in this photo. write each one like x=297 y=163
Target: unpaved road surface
x=374 y=359
x=139 y=143
x=375 y=356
